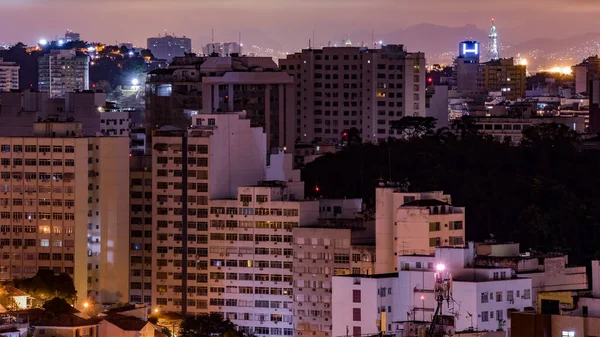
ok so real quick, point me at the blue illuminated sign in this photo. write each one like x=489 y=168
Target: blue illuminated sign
x=469 y=48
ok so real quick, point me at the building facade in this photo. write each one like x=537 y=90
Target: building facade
x=414 y=223
x=9 y=76
x=140 y=237
x=466 y=66
x=504 y=76
x=193 y=85
x=63 y=71
x=52 y=186
x=339 y=88
x=169 y=46
x=222 y=49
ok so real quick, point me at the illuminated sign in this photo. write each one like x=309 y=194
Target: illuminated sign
x=469 y=48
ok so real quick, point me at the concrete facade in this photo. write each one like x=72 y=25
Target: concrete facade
x=9 y=76
x=339 y=88
x=414 y=223
x=63 y=71
x=65 y=199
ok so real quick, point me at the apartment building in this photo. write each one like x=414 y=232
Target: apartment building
x=169 y=46
x=63 y=71
x=319 y=254
x=193 y=85
x=503 y=76
x=9 y=75
x=414 y=223
x=53 y=184
x=140 y=220
x=339 y=88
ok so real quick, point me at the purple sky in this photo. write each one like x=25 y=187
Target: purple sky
x=289 y=22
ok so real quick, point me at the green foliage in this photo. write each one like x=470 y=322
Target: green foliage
x=411 y=127
x=45 y=285
x=153 y=319
x=165 y=331
x=57 y=306
x=542 y=194
x=207 y=325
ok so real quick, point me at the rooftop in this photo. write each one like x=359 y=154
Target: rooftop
x=425 y=203
x=373 y=276
x=126 y=323
x=66 y=320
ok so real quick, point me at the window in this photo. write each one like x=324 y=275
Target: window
x=434 y=242
x=484 y=297
x=356 y=331
x=568 y=333
x=498 y=296
x=484 y=316
x=434 y=226
x=527 y=294
x=356 y=314
x=454 y=225
x=356 y=296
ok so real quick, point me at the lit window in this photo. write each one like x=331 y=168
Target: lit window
x=45 y=243
x=568 y=334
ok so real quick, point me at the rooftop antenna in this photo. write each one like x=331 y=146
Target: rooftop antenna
x=373 y=38
x=313 y=39
x=213 y=35
x=308 y=43
x=240 y=42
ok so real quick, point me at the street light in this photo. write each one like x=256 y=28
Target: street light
x=135 y=81
x=156 y=310
x=86 y=304
x=440 y=267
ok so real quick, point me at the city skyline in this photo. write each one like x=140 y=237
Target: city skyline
x=291 y=23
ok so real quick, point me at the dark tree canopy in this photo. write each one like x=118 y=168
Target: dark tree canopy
x=542 y=194
x=45 y=285
x=57 y=306
x=411 y=127
x=208 y=325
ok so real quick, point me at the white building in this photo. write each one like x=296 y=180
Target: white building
x=222 y=49
x=63 y=71
x=239 y=228
x=114 y=121
x=52 y=185
x=9 y=76
x=414 y=223
x=479 y=298
x=340 y=88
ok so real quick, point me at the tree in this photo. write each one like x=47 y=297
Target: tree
x=411 y=127
x=465 y=127
x=57 y=306
x=45 y=285
x=19 y=45
x=165 y=331
x=147 y=53
x=207 y=325
x=549 y=134
x=351 y=137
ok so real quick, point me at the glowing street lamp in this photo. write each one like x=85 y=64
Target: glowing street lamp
x=43 y=42
x=86 y=305
x=156 y=310
x=440 y=267
x=135 y=82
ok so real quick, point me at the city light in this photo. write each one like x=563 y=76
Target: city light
x=61 y=42
x=86 y=304
x=130 y=53
x=560 y=70
x=422 y=297
x=43 y=42
x=523 y=62
x=135 y=81
x=90 y=48
x=156 y=310
x=440 y=267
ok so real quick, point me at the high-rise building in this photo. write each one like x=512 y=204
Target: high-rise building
x=9 y=76
x=63 y=71
x=141 y=256
x=503 y=76
x=72 y=36
x=193 y=85
x=64 y=205
x=466 y=66
x=320 y=252
x=339 y=88
x=20 y=109
x=240 y=239
x=414 y=223
x=222 y=49
x=169 y=46
x=584 y=72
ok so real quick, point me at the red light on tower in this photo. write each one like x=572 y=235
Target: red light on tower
x=317 y=188
x=344 y=134
x=430 y=80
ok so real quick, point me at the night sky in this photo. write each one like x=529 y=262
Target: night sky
x=288 y=22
